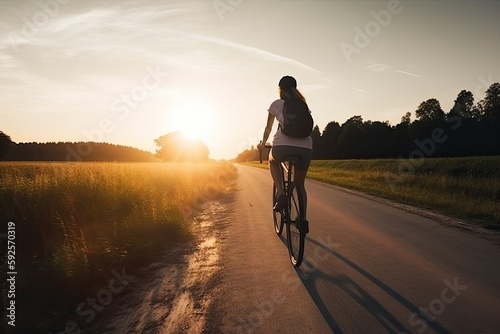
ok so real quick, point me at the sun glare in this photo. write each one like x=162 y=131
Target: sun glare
x=194 y=120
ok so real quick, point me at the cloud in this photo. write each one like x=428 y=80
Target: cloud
x=377 y=67
x=104 y=30
x=245 y=48
x=128 y=31
x=80 y=22
x=88 y=53
x=311 y=87
x=7 y=61
x=411 y=74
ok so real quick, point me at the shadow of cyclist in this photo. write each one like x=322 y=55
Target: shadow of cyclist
x=357 y=293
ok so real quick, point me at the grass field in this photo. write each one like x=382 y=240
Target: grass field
x=465 y=188
x=75 y=222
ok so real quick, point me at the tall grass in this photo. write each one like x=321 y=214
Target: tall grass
x=467 y=188
x=75 y=222
x=464 y=188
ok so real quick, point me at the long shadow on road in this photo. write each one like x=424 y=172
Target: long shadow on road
x=358 y=294
x=316 y=297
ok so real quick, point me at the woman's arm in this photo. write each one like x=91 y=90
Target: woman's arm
x=267 y=130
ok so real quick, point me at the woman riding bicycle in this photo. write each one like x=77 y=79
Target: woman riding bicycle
x=283 y=146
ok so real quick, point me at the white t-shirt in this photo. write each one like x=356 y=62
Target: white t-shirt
x=279 y=138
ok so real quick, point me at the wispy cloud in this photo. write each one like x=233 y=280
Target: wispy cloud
x=126 y=32
x=411 y=74
x=89 y=53
x=80 y=22
x=116 y=40
x=98 y=30
x=247 y=49
x=377 y=67
x=7 y=61
x=359 y=90
x=311 y=87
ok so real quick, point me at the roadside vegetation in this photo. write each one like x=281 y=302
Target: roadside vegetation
x=465 y=188
x=76 y=222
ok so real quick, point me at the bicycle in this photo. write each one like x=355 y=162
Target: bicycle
x=291 y=215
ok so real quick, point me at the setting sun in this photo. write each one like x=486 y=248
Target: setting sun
x=195 y=120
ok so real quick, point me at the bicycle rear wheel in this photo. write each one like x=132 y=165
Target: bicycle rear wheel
x=294 y=234
x=278 y=217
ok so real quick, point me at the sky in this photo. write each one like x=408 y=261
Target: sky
x=127 y=72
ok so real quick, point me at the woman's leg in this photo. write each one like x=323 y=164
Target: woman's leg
x=300 y=177
x=277 y=177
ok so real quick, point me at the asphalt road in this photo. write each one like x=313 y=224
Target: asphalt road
x=368 y=267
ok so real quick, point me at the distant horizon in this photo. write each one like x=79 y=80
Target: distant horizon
x=153 y=150
x=127 y=72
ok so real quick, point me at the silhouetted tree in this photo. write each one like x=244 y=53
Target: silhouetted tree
x=489 y=126
x=491 y=102
x=406 y=119
x=377 y=140
x=175 y=147
x=430 y=110
x=350 y=138
x=5 y=145
x=401 y=139
x=329 y=147
x=464 y=105
x=316 y=138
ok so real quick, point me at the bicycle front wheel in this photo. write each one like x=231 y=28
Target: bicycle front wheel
x=294 y=234
x=278 y=217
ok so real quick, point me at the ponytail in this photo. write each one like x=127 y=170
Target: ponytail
x=291 y=93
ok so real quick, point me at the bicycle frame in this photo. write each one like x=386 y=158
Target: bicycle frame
x=287 y=169
x=294 y=230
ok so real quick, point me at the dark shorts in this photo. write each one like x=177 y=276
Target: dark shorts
x=279 y=153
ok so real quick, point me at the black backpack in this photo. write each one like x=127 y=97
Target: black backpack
x=297 y=120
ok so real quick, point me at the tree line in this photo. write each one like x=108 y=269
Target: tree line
x=171 y=147
x=70 y=151
x=467 y=129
